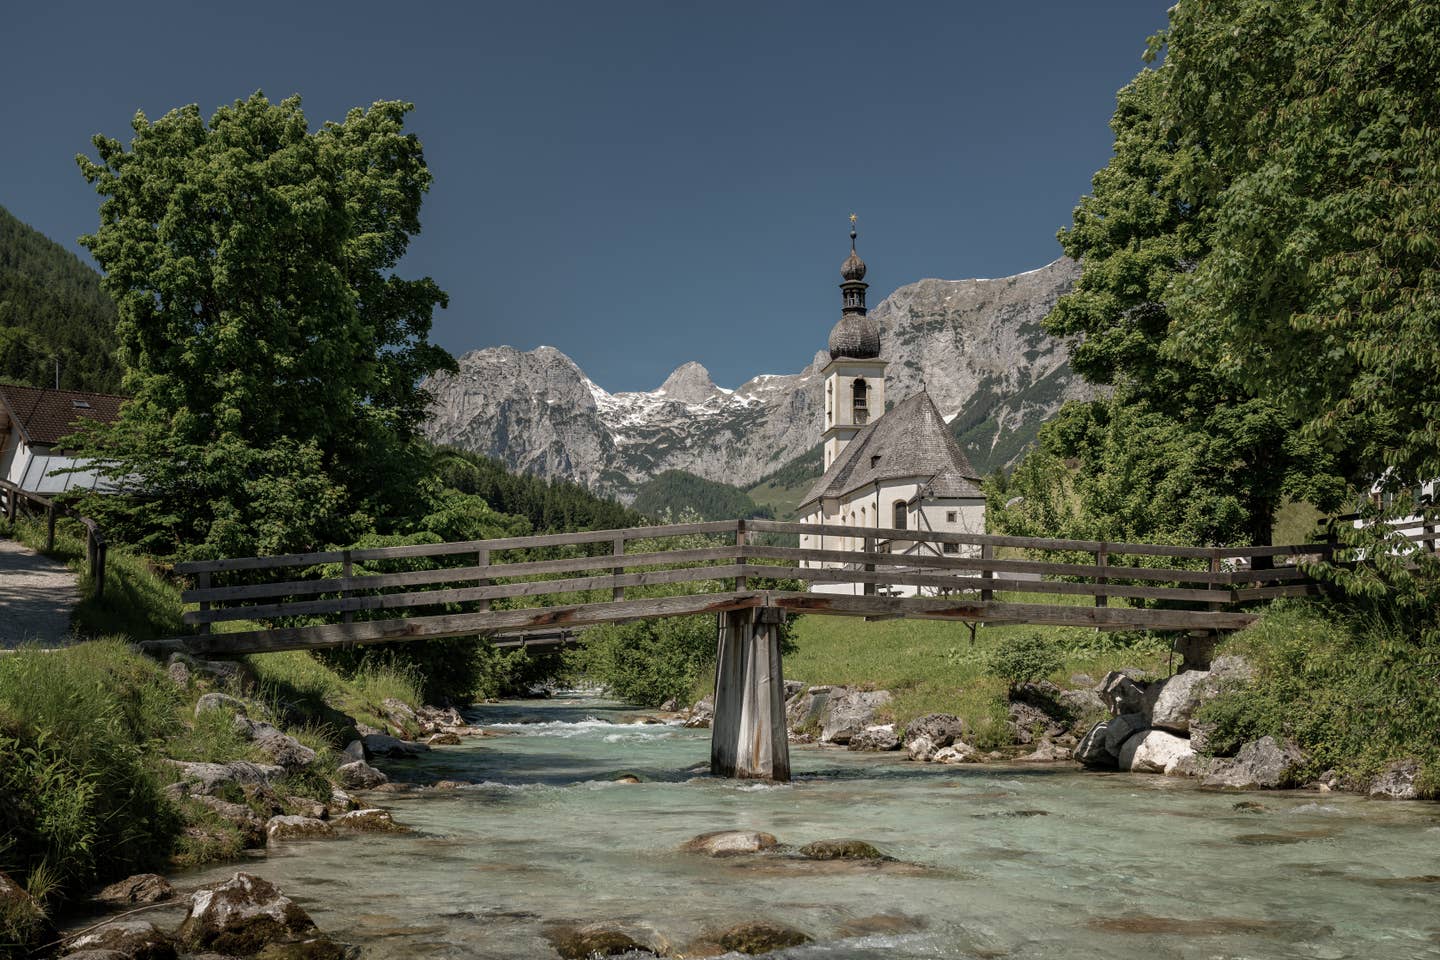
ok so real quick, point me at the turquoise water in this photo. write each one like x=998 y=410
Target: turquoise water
x=1008 y=861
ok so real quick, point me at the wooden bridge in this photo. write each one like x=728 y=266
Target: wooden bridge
x=508 y=589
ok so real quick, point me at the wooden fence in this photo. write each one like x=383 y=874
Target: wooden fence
x=518 y=585
x=95 y=547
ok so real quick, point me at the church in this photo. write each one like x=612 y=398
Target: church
x=894 y=470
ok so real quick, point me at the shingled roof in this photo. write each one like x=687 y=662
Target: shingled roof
x=910 y=440
x=45 y=417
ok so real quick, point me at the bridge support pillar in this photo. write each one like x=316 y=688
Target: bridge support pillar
x=747 y=732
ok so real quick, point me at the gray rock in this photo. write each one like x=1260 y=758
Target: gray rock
x=359 y=775
x=1092 y=752
x=380 y=745
x=136 y=939
x=1261 y=764
x=241 y=916
x=354 y=750
x=1122 y=728
x=850 y=712
x=1397 y=781
x=219 y=701
x=1028 y=721
x=306 y=807
x=251 y=827
x=943 y=729
x=793 y=687
x=1046 y=751
x=296 y=828
x=876 y=738
x=603 y=939
x=957 y=752
x=1082 y=703
x=842 y=850
x=1121 y=694
x=1171 y=703
x=185 y=669
x=1155 y=751
x=701 y=713
x=284 y=749
x=975 y=345
x=921 y=748
x=369 y=820
x=759 y=936
x=141 y=888
x=212 y=778
x=402 y=718
x=729 y=843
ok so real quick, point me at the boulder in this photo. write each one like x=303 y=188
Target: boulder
x=1122 y=728
x=805 y=710
x=729 y=843
x=1171 y=703
x=701 y=713
x=136 y=939
x=1092 y=752
x=849 y=712
x=284 y=749
x=1155 y=751
x=354 y=750
x=921 y=748
x=1046 y=751
x=758 y=936
x=185 y=669
x=1397 y=781
x=443 y=739
x=245 y=820
x=1029 y=722
x=597 y=940
x=240 y=916
x=957 y=752
x=141 y=888
x=879 y=737
x=1121 y=694
x=369 y=820
x=306 y=807
x=316 y=948
x=380 y=745
x=359 y=775
x=434 y=719
x=220 y=701
x=1261 y=764
x=793 y=687
x=340 y=801
x=943 y=729
x=1082 y=703
x=212 y=778
x=291 y=827
x=841 y=850
x=402 y=718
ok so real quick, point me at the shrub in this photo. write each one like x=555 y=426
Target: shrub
x=1025 y=659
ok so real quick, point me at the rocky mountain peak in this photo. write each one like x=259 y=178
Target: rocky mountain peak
x=690 y=383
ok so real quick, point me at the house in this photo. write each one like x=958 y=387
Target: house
x=33 y=422
x=895 y=470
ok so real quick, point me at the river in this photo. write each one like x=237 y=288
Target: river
x=1014 y=861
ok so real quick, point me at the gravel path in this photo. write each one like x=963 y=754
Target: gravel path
x=37 y=596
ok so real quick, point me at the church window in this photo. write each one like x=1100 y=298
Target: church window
x=860 y=410
x=951 y=516
x=952 y=548
x=901 y=515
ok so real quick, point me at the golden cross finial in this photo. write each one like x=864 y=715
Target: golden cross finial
x=852 y=219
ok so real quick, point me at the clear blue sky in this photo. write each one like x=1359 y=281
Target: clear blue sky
x=638 y=184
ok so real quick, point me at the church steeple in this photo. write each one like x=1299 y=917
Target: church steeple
x=853 y=273
x=855 y=375
x=856 y=336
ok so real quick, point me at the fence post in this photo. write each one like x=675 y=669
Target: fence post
x=987 y=552
x=347 y=569
x=618 y=593
x=202 y=582
x=869 y=586
x=1215 y=583
x=50 y=527
x=483 y=559
x=10 y=498
x=742 y=582
x=1102 y=560
x=100 y=550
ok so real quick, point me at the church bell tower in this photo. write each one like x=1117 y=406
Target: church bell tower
x=855 y=375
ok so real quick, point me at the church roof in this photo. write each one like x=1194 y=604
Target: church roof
x=910 y=440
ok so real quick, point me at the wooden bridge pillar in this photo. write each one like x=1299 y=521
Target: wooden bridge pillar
x=747 y=732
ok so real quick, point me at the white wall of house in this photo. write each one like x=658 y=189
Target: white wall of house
x=32 y=468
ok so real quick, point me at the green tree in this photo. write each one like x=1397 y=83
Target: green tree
x=273 y=353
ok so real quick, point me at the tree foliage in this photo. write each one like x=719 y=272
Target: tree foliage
x=676 y=491
x=272 y=350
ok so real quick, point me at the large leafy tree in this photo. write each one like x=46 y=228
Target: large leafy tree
x=273 y=353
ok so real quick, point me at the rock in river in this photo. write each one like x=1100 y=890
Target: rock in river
x=1261 y=764
x=359 y=775
x=141 y=888
x=1397 y=781
x=759 y=937
x=879 y=737
x=841 y=850
x=942 y=729
x=849 y=712
x=136 y=939
x=729 y=843
x=240 y=916
x=369 y=820
x=597 y=940
x=1155 y=751
x=297 y=828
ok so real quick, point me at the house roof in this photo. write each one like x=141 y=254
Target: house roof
x=910 y=440
x=45 y=416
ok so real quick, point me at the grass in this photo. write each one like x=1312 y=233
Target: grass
x=296 y=677
x=932 y=666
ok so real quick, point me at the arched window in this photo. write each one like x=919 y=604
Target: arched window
x=901 y=515
x=859 y=410
x=829 y=402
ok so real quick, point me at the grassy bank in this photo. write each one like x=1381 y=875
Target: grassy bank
x=933 y=667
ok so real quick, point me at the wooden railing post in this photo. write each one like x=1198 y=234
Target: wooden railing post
x=869 y=586
x=1215 y=570
x=483 y=559
x=99 y=575
x=742 y=582
x=50 y=526
x=618 y=593
x=202 y=582
x=347 y=570
x=10 y=499
x=987 y=552
x=1102 y=560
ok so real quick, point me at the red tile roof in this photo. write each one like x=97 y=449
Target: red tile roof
x=44 y=417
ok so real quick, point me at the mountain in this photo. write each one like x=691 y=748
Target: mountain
x=52 y=307
x=976 y=345
x=673 y=492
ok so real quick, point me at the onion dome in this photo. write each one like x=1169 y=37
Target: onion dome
x=853 y=268
x=855 y=337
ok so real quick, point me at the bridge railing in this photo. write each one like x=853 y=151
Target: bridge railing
x=520 y=583
x=12 y=497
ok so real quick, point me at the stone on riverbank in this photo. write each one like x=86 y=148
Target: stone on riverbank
x=242 y=915
x=1397 y=781
x=380 y=745
x=921 y=748
x=213 y=778
x=958 y=752
x=1046 y=751
x=359 y=775
x=848 y=712
x=319 y=948
x=141 y=888
x=284 y=749
x=1264 y=764
x=135 y=939
x=1120 y=693
x=942 y=729
x=729 y=843
x=841 y=850
x=880 y=737
x=220 y=701
x=1122 y=728
x=1092 y=751
x=701 y=713
x=369 y=820
x=1155 y=751
x=290 y=827
x=185 y=669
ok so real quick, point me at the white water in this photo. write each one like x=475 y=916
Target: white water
x=1019 y=862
